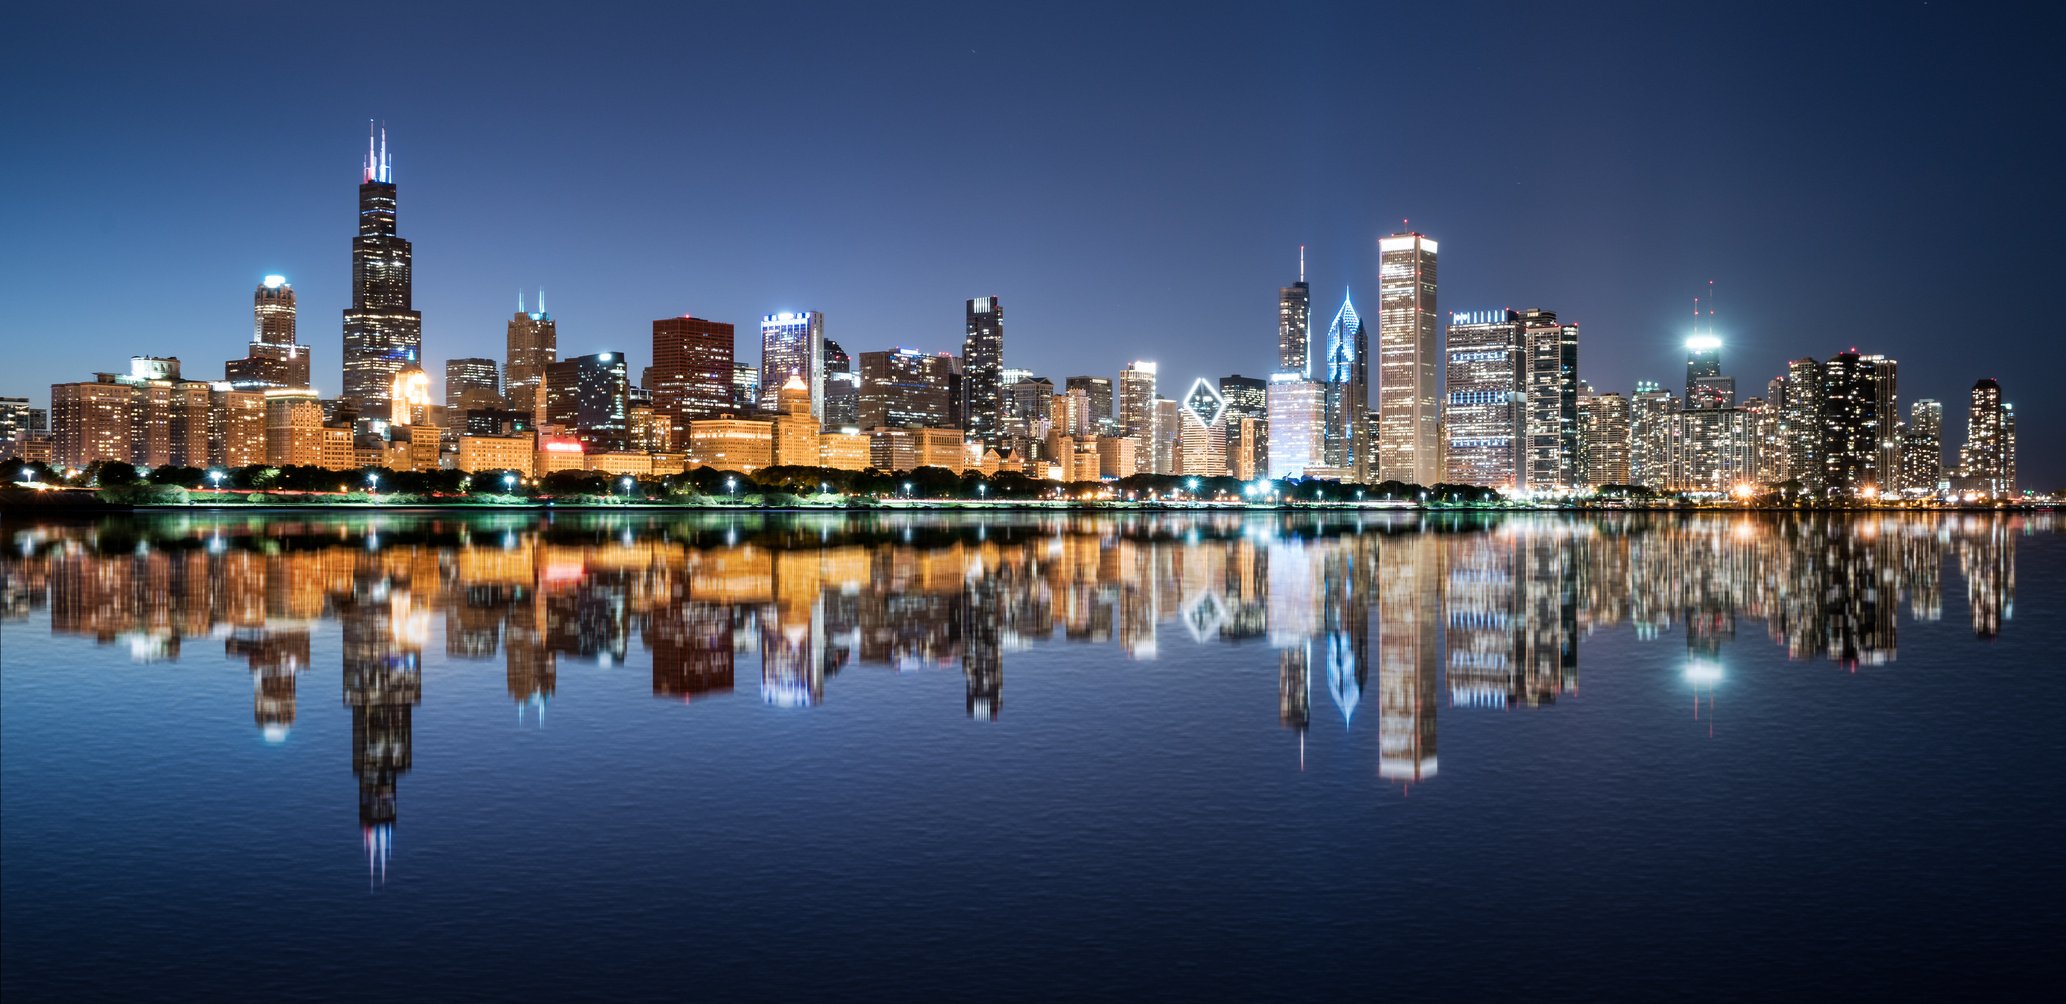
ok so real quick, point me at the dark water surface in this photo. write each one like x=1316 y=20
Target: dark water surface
x=1029 y=756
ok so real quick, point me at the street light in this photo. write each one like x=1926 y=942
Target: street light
x=216 y=476
x=982 y=490
x=907 y=489
x=373 y=479
x=508 y=484
x=732 y=488
x=627 y=486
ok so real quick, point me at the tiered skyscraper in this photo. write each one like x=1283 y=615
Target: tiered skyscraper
x=1345 y=378
x=534 y=340
x=382 y=331
x=1295 y=323
x=982 y=371
x=1407 y=447
x=273 y=360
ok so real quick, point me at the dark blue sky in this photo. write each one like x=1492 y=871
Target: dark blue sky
x=1133 y=181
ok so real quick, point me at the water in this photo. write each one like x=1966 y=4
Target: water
x=1028 y=755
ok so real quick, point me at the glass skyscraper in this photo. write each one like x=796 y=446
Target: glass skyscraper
x=1406 y=353
x=792 y=345
x=1345 y=371
x=1482 y=407
x=982 y=371
x=382 y=331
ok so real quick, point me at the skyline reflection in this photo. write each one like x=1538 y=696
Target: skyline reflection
x=1472 y=612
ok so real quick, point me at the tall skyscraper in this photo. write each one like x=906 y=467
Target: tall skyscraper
x=1295 y=323
x=1706 y=387
x=1603 y=439
x=1407 y=349
x=842 y=389
x=982 y=371
x=534 y=344
x=1652 y=421
x=382 y=330
x=1345 y=375
x=1099 y=390
x=792 y=344
x=1988 y=462
x=1202 y=437
x=905 y=387
x=1800 y=423
x=1137 y=401
x=1297 y=432
x=273 y=359
x=1922 y=446
x=1248 y=424
x=591 y=395
x=1550 y=455
x=1856 y=401
x=1483 y=405
x=692 y=368
x=472 y=385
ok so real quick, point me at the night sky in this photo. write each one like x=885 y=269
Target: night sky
x=1133 y=182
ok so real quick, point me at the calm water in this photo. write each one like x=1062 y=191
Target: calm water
x=1029 y=755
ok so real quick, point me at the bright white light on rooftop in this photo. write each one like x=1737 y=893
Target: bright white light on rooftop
x=1703 y=343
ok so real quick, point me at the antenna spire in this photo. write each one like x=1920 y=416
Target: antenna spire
x=520 y=299
x=1301 y=263
x=367 y=171
x=541 y=299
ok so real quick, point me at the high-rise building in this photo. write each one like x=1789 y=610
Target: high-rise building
x=1248 y=424
x=533 y=344
x=1550 y=376
x=1407 y=350
x=591 y=397
x=1295 y=323
x=1297 y=432
x=905 y=387
x=1202 y=433
x=1857 y=399
x=382 y=330
x=842 y=389
x=1099 y=390
x=1603 y=439
x=1800 y=423
x=792 y=344
x=1706 y=387
x=745 y=388
x=1922 y=446
x=18 y=423
x=982 y=371
x=273 y=359
x=472 y=384
x=1137 y=400
x=149 y=416
x=1028 y=400
x=1483 y=403
x=692 y=368
x=1652 y=425
x=1345 y=377
x=1987 y=463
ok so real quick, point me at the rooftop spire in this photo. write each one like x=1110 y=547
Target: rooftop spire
x=520 y=299
x=1301 y=263
x=541 y=299
x=378 y=167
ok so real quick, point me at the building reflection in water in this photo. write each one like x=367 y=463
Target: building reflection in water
x=1479 y=612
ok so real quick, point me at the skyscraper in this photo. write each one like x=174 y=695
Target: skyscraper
x=792 y=344
x=471 y=384
x=273 y=359
x=842 y=389
x=1137 y=401
x=982 y=371
x=1800 y=423
x=1483 y=404
x=591 y=395
x=1345 y=376
x=1706 y=387
x=1295 y=323
x=905 y=387
x=1653 y=417
x=1550 y=455
x=1603 y=443
x=382 y=331
x=1988 y=461
x=1203 y=432
x=1406 y=354
x=1856 y=401
x=1297 y=426
x=1099 y=390
x=692 y=368
x=1922 y=446
x=534 y=341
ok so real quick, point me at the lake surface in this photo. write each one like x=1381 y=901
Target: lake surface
x=1029 y=756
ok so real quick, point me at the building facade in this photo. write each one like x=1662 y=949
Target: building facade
x=1550 y=376
x=382 y=330
x=532 y=344
x=905 y=387
x=692 y=374
x=1407 y=352
x=273 y=359
x=1484 y=402
x=982 y=371
x=792 y=344
x=590 y=397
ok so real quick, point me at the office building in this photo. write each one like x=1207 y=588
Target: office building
x=1137 y=400
x=1202 y=432
x=1987 y=463
x=982 y=371
x=590 y=397
x=1099 y=392
x=1295 y=324
x=792 y=344
x=1549 y=453
x=692 y=372
x=731 y=444
x=273 y=359
x=1922 y=446
x=1297 y=431
x=1484 y=403
x=1345 y=385
x=745 y=388
x=1406 y=357
x=905 y=387
x=19 y=424
x=1652 y=429
x=1248 y=424
x=533 y=344
x=1028 y=401
x=472 y=384
x=1603 y=439
x=382 y=330
x=796 y=429
x=1706 y=387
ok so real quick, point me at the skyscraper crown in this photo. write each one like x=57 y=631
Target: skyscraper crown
x=377 y=167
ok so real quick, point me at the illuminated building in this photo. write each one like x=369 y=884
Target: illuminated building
x=843 y=451
x=982 y=378
x=1549 y=454
x=92 y=421
x=533 y=344
x=692 y=369
x=1706 y=387
x=745 y=388
x=1857 y=401
x=558 y=453
x=1028 y=400
x=1248 y=422
x=1297 y=426
x=236 y=427
x=472 y=384
x=1603 y=439
x=1712 y=450
x=1800 y=422
x=1922 y=446
x=1098 y=390
x=1483 y=404
x=1345 y=388
x=904 y=387
x=1168 y=431
x=1137 y=409
x=731 y=444
x=591 y=397
x=796 y=431
x=1116 y=455
x=1987 y=463
x=1407 y=351
x=498 y=453
x=273 y=359
x=1410 y=572
x=1203 y=438
x=792 y=345
x=907 y=449
x=1652 y=424
x=1295 y=324
x=382 y=332
x=148 y=416
x=293 y=428
x=408 y=396
x=18 y=424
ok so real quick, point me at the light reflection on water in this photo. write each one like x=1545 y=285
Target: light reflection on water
x=1387 y=623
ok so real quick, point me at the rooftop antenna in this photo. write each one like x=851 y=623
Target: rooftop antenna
x=367 y=171
x=541 y=299
x=1301 y=263
x=1710 y=306
x=520 y=299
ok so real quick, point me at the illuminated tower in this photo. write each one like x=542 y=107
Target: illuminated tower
x=1482 y=405
x=1922 y=446
x=1295 y=322
x=982 y=376
x=1346 y=381
x=534 y=344
x=382 y=333
x=1406 y=353
x=792 y=344
x=273 y=360
x=1988 y=461
x=1550 y=375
